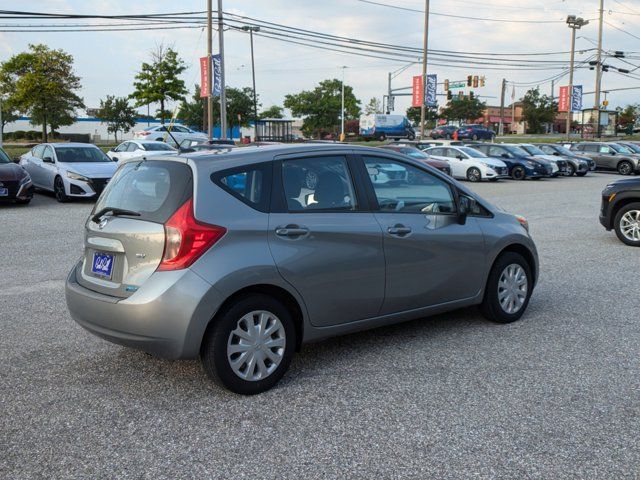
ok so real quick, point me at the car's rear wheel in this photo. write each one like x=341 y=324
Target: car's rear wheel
x=59 y=191
x=627 y=224
x=249 y=346
x=625 y=168
x=508 y=289
x=382 y=137
x=474 y=137
x=518 y=173
x=474 y=175
x=411 y=136
x=581 y=174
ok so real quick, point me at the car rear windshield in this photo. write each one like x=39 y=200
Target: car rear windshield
x=157 y=147
x=153 y=188
x=81 y=155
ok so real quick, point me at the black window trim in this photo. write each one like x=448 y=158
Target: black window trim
x=371 y=193
x=267 y=183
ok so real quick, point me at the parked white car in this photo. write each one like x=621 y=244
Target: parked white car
x=470 y=164
x=139 y=148
x=158 y=133
x=70 y=170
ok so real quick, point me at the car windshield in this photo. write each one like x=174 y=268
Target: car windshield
x=414 y=152
x=620 y=148
x=632 y=147
x=81 y=155
x=157 y=147
x=517 y=151
x=472 y=152
x=4 y=158
x=562 y=150
x=533 y=150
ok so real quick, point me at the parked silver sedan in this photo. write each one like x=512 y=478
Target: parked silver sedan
x=139 y=148
x=238 y=259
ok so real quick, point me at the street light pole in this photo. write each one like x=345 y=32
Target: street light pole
x=599 y=67
x=223 y=93
x=424 y=65
x=574 y=23
x=251 y=29
x=342 y=136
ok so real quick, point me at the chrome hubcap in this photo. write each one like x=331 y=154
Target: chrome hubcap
x=625 y=169
x=474 y=175
x=630 y=225
x=256 y=346
x=512 y=288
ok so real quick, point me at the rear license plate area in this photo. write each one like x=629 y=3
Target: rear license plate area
x=102 y=265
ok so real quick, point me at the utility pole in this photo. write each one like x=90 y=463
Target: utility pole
x=251 y=29
x=210 y=69
x=342 y=136
x=599 y=67
x=223 y=93
x=502 y=92
x=553 y=84
x=424 y=65
x=1 y=126
x=575 y=23
x=388 y=94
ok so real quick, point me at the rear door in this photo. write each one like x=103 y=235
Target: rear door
x=33 y=164
x=430 y=258
x=324 y=240
x=121 y=252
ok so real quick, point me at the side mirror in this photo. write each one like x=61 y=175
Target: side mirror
x=16 y=159
x=504 y=155
x=47 y=160
x=459 y=157
x=613 y=152
x=466 y=205
x=556 y=154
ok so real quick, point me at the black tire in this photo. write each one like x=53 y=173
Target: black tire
x=518 y=173
x=581 y=174
x=490 y=307
x=382 y=137
x=625 y=168
x=214 y=346
x=59 y=191
x=474 y=137
x=474 y=175
x=411 y=136
x=618 y=219
x=571 y=170
x=23 y=202
x=493 y=179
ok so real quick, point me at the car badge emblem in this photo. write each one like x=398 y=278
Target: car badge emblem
x=103 y=223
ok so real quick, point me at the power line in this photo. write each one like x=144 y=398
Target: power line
x=622 y=30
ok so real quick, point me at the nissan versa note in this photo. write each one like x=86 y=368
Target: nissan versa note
x=238 y=259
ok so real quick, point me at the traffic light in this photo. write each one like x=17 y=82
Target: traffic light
x=482 y=80
x=470 y=95
x=469 y=80
x=475 y=81
x=446 y=85
x=449 y=96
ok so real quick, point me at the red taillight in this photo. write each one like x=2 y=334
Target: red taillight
x=144 y=133
x=186 y=239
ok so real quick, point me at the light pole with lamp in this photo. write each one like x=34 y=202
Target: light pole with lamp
x=574 y=23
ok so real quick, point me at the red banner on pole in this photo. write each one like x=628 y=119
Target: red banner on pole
x=418 y=91
x=204 y=78
x=563 y=99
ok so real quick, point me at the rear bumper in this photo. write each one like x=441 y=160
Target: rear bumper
x=166 y=317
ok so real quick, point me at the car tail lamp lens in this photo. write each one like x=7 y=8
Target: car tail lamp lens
x=145 y=133
x=186 y=239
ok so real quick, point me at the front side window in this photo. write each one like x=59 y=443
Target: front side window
x=402 y=188
x=547 y=149
x=48 y=152
x=438 y=152
x=497 y=152
x=132 y=147
x=604 y=149
x=122 y=147
x=319 y=183
x=38 y=151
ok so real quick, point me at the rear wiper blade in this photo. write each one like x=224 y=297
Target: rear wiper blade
x=115 y=212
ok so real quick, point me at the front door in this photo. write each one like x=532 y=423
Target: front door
x=430 y=257
x=324 y=243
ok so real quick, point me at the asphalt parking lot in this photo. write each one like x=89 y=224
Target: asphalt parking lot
x=556 y=395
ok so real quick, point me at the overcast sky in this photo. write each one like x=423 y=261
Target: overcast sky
x=107 y=62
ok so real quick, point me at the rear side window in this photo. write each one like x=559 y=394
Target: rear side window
x=155 y=189
x=249 y=184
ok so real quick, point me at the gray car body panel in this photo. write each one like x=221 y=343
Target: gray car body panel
x=169 y=313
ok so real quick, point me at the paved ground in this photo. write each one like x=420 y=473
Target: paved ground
x=556 y=395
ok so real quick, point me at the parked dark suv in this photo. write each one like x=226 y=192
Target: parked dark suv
x=620 y=210
x=521 y=164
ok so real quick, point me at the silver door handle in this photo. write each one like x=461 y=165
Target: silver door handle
x=291 y=231
x=399 y=230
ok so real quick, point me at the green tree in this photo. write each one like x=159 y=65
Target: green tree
x=117 y=114
x=159 y=81
x=321 y=106
x=627 y=116
x=464 y=109
x=430 y=116
x=273 y=111
x=44 y=86
x=192 y=113
x=374 y=106
x=239 y=107
x=538 y=109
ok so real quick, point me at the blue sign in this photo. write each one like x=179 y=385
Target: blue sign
x=102 y=264
x=430 y=91
x=576 y=98
x=217 y=75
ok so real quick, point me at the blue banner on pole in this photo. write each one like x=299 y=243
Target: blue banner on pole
x=576 y=98
x=430 y=91
x=216 y=75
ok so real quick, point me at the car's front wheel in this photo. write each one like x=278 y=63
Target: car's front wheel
x=508 y=289
x=249 y=345
x=625 y=168
x=474 y=175
x=627 y=224
x=570 y=170
x=518 y=173
x=59 y=191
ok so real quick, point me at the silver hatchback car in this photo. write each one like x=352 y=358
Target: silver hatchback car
x=240 y=258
